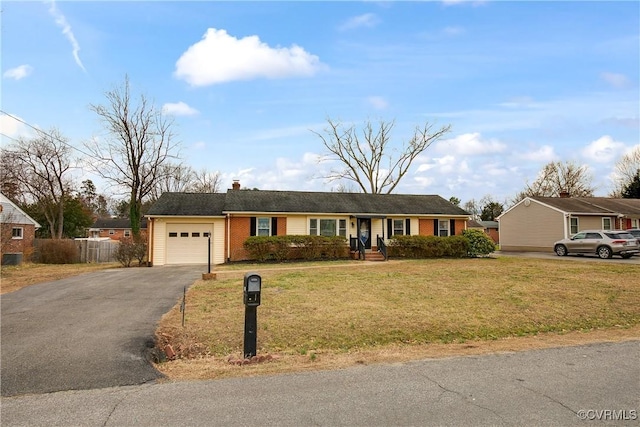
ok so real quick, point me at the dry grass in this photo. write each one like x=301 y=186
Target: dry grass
x=324 y=316
x=19 y=276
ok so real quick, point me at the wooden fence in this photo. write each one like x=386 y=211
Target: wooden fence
x=87 y=250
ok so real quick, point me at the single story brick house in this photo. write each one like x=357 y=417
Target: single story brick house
x=17 y=232
x=180 y=225
x=114 y=228
x=536 y=223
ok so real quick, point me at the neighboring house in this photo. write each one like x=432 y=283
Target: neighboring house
x=114 y=228
x=181 y=224
x=491 y=228
x=536 y=223
x=17 y=232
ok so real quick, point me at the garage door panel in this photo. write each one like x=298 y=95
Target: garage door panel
x=188 y=243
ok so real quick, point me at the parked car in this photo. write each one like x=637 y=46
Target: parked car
x=635 y=232
x=604 y=243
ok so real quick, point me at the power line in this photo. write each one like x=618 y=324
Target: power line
x=42 y=132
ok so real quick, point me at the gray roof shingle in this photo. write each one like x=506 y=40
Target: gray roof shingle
x=234 y=201
x=188 y=204
x=593 y=205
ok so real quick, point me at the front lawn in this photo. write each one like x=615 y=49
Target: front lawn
x=320 y=313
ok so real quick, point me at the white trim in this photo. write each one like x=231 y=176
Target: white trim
x=5 y=201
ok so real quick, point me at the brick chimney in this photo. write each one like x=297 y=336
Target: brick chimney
x=565 y=194
x=236 y=184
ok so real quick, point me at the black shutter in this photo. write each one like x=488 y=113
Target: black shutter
x=435 y=227
x=274 y=226
x=253 y=226
x=452 y=226
x=407 y=227
x=389 y=227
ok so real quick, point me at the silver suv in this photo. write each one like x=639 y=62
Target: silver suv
x=604 y=243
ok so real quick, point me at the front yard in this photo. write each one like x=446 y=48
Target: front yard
x=325 y=316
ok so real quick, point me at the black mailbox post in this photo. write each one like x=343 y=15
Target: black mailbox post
x=252 y=287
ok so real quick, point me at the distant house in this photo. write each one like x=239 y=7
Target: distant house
x=535 y=223
x=17 y=232
x=492 y=229
x=181 y=224
x=114 y=228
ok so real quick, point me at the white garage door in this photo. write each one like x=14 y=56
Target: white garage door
x=188 y=243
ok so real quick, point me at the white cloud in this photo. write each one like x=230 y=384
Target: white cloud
x=178 y=109
x=618 y=81
x=470 y=144
x=19 y=72
x=453 y=31
x=12 y=127
x=66 y=30
x=377 y=102
x=544 y=154
x=219 y=58
x=603 y=150
x=368 y=20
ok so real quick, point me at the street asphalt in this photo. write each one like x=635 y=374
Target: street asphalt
x=591 y=385
x=90 y=331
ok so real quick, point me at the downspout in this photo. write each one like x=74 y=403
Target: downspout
x=228 y=220
x=566 y=220
x=151 y=231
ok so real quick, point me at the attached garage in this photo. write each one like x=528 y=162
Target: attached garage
x=188 y=243
x=179 y=227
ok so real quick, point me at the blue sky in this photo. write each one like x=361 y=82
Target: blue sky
x=521 y=83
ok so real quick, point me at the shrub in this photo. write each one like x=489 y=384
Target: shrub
x=130 y=249
x=428 y=247
x=282 y=248
x=479 y=243
x=57 y=251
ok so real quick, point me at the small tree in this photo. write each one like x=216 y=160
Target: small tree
x=479 y=243
x=632 y=189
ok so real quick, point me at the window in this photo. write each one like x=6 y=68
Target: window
x=342 y=227
x=184 y=234
x=205 y=234
x=606 y=223
x=443 y=228
x=264 y=227
x=127 y=233
x=16 y=233
x=634 y=223
x=398 y=227
x=574 y=225
x=195 y=234
x=112 y=232
x=173 y=234
x=328 y=227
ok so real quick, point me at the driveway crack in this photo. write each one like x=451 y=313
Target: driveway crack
x=127 y=394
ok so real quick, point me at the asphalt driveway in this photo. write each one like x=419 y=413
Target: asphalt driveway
x=89 y=331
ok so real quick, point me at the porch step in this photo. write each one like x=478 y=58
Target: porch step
x=374 y=256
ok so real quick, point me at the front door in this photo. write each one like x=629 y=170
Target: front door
x=364 y=232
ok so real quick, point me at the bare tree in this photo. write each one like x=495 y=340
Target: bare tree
x=205 y=181
x=173 y=178
x=139 y=141
x=626 y=169
x=367 y=157
x=556 y=178
x=39 y=167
